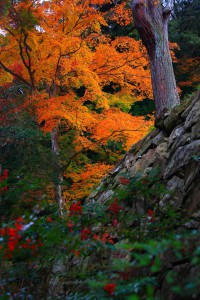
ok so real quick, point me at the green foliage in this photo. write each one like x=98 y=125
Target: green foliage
x=25 y=152
x=119 y=257
x=123 y=101
x=184 y=28
x=196 y=158
x=27 y=19
x=142 y=108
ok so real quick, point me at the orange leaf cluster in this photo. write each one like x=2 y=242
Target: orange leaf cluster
x=122 y=14
x=118 y=125
x=84 y=180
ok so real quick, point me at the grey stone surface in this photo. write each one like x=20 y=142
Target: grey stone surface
x=181 y=157
x=105 y=196
x=176 y=133
x=192 y=201
x=143 y=163
x=189 y=105
x=193 y=116
x=158 y=138
x=129 y=161
x=175 y=186
x=195 y=132
x=192 y=173
x=171 y=122
x=182 y=140
x=162 y=151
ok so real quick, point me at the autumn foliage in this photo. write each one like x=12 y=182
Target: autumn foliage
x=63 y=55
x=72 y=73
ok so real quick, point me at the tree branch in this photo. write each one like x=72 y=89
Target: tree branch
x=15 y=75
x=98 y=141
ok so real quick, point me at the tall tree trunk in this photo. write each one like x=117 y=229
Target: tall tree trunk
x=151 y=21
x=58 y=177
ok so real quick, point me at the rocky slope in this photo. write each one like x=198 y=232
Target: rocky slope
x=174 y=150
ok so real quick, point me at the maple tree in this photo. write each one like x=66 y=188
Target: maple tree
x=69 y=79
x=61 y=55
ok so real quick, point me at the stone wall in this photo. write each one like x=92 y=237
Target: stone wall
x=173 y=149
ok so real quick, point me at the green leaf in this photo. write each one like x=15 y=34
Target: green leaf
x=133 y=297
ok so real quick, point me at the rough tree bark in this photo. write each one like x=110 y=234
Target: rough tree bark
x=151 y=20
